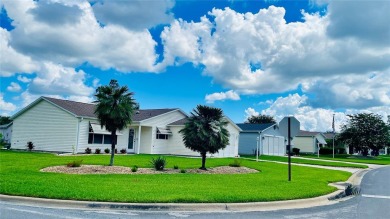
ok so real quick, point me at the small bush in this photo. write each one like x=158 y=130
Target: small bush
x=30 y=146
x=123 y=151
x=88 y=150
x=326 y=150
x=183 y=171
x=175 y=167
x=236 y=163
x=107 y=150
x=158 y=163
x=134 y=169
x=296 y=151
x=97 y=151
x=116 y=151
x=75 y=163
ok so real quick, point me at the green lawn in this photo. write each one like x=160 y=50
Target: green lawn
x=302 y=161
x=381 y=160
x=20 y=175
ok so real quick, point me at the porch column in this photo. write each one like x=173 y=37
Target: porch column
x=139 y=139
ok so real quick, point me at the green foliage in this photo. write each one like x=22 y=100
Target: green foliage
x=296 y=151
x=88 y=150
x=123 y=151
x=326 y=150
x=236 y=163
x=4 y=120
x=205 y=131
x=365 y=131
x=97 y=151
x=107 y=150
x=75 y=163
x=114 y=109
x=183 y=171
x=175 y=167
x=30 y=146
x=158 y=163
x=260 y=119
x=134 y=169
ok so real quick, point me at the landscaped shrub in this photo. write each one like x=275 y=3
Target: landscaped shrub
x=236 y=163
x=326 y=150
x=183 y=171
x=30 y=146
x=116 y=151
x=123 y=151
x=158 y=163
x=88 y=150
x=97 y=151
x=75 y=163
x=175 y=167
x=296 y=151
x=107 y=150
x=134 y=169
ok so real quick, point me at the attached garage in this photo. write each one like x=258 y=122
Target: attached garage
x=272 y=142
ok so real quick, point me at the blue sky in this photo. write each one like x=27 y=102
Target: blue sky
x=310 y=59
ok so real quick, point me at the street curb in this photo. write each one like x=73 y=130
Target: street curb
x=328 y=199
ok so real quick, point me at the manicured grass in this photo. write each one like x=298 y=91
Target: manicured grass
x=20 y=175
x=381 y=160
x=303 y=161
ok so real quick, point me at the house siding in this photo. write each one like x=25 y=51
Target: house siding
x=305 y=144
x=47 y=126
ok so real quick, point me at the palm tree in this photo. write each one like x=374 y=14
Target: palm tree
x=114 y=109
x=205 y=131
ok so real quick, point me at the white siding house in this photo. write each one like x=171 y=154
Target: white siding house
x=67 y=126
x=308 y=142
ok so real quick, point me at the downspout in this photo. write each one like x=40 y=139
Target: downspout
x=260 y=143
x=78 y=135
x=139 y=139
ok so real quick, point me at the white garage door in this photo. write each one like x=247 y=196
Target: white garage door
x=273 y=145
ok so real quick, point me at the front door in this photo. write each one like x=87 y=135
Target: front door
x=130 y=146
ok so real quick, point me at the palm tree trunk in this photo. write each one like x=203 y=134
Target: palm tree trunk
x=203 y=154
x=113 y=142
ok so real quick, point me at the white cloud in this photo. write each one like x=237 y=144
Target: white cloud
x=23 y=79
x=14 y=87
x=5 y=107
x=76 y=38
x=250 y=112
x=221 y=96
x=12 y=61
x=135 y=14
x=257 y=53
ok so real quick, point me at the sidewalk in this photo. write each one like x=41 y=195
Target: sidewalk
x=328 y=199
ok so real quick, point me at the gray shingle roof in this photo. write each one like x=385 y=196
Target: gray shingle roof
x=179 y=122
x=303 y=133
x=247 y=127
x=88 y=109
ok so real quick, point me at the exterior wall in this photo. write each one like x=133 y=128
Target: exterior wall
x=7 y=133
x=248 y=143
x=47 y=126
x=305 y=144
x=231 y=150
x=122 y=140
x=174 y=144
x=146 y=140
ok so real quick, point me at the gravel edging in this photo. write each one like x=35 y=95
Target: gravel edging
x=99 y=169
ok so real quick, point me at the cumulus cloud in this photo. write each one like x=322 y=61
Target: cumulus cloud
x=5 y=107
x=221 y=96
x=250 y=112
x=72 y=43
x=260 y=52
x=14 y=87
x=134 y=15
x=23 y=79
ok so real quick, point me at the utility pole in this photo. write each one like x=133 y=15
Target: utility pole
x=333 y=133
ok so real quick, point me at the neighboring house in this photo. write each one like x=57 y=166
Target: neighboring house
x=337 y=144
x=6 y=131
x=67 y=126
x=308 y=142
x=272 y=142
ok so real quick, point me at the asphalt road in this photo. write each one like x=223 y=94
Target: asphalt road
x=373 y=202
